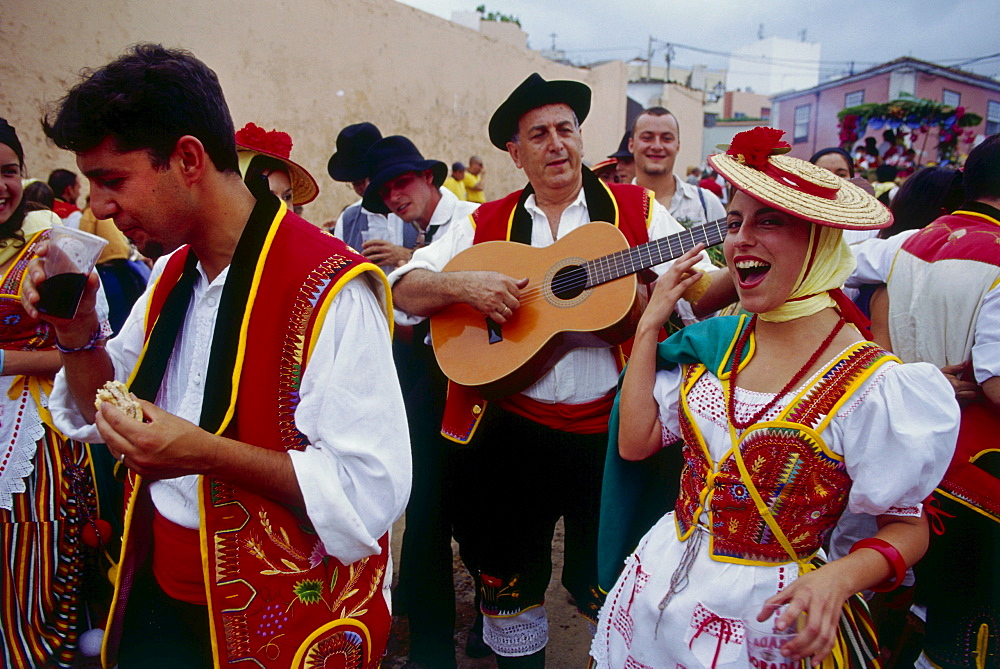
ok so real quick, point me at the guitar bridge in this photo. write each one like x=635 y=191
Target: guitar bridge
x=494 y=330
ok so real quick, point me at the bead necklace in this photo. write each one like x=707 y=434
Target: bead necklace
x=738 y=358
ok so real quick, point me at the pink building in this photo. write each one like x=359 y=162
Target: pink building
x=809 y=117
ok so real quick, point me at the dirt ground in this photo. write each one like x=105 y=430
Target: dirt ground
x=569 y=634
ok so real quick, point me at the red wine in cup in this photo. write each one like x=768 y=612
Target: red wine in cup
x=59 y=295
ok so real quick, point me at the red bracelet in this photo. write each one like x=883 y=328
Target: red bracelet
x=891 y=556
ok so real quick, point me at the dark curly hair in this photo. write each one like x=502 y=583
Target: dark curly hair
x=148 y=98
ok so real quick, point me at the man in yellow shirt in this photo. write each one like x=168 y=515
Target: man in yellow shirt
x=456 y=181
x=474 y=181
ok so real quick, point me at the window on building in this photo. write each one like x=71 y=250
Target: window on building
x=854 y=99
x=951 y=98
x=765 y=113
x=801 y=132
x=993 y=117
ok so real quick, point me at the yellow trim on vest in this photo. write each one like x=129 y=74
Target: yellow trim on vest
x=472 y=221
x=650 y=199
x=995 y=284
x=700 y=369
x=615 y=202
x=151 y=291
x=126 y=530
x=982 y=644
x=983 y=452
x=205 y=572
x=851 y=387
x=297 y=659
x=779 y=423
x=968 y=505
x=510 y=223
x=975 y=214
x=332 y=293
x=722 y=373
x=14 y=262
x=241 y=349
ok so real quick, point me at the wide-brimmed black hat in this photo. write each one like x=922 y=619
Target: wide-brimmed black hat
x=348 y=163
x=535 y=92
x=387 y=159
x=623 y=151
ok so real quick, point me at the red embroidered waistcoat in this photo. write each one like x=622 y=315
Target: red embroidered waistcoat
x=275 y=598
x=804 y=484
x=633 y=212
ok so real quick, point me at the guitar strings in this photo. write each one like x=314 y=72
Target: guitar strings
x=622 y=263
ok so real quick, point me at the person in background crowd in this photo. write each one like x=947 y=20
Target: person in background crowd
x=693 y=175
x=654 y=144
x=538 y=455
x=625 y=167
x=605 y=170
x=66 y=186
x=408 y=190
x=266 y=166
x=455 y=182
x=836 y=160
x=263 y=482
x=347 y=165
x=38 y=195
x=944 y=308
x=789 y=418
x=48 y=504
x=885 y=183
x=710 y=182
x=474 y=186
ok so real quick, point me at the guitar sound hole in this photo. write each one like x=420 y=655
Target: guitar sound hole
x=569 y=282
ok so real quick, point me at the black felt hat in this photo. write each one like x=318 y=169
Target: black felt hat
x=348 y=163
x=623 y=151
x=535 y=92
x=387 y=159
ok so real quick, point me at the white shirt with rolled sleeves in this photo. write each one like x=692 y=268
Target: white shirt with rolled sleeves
x=583 y=374
x=354 y=474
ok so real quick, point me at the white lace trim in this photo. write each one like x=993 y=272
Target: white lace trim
x=516 y=636
x=20 y=429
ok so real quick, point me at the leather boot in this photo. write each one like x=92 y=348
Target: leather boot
x=534 y=661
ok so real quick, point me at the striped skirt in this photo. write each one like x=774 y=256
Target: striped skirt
x=41 y=557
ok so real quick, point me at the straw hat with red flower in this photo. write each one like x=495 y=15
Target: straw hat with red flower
x=252 y=140
x=755 y=164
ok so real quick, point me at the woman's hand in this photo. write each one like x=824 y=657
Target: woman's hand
x=820 y=595
x=669 y=288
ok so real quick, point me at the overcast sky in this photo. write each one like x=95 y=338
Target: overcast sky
x=866 y=32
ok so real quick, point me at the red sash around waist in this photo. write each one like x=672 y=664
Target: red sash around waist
x=177 y=561
x=586 y=418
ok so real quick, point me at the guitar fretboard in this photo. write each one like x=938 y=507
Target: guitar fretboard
x=616 y=265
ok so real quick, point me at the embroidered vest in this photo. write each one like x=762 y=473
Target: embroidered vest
x=274 y=596
x=804 y=484
x=627 y=207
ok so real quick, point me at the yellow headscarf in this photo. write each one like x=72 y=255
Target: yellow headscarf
x=828 y=264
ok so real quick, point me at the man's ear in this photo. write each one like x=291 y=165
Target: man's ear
x=191 y=158
x=513 y=149
x=631 y=148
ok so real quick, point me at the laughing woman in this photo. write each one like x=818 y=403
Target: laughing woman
x=787 y=418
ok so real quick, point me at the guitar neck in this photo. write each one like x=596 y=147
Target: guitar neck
x=614 y=266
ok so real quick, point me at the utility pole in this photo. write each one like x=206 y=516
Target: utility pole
x=553 y=36
x=670 y=53
x=649 y=59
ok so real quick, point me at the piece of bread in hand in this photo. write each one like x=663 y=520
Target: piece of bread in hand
x=117 y=393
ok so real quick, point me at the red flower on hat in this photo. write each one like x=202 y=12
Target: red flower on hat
x=753 y=147
x=252 y=136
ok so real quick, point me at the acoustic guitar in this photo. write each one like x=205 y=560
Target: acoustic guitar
x=577 y=295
